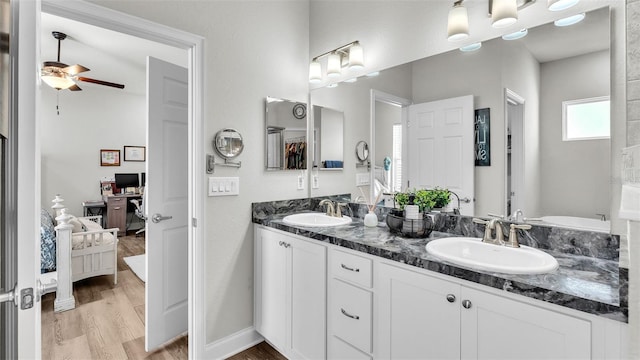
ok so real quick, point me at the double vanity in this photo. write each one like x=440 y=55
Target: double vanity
x=346 y=291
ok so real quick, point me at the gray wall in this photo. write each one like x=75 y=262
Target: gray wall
x=90 y=120
x=583 y=166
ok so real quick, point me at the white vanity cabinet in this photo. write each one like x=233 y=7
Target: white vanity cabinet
x=425 y=317
x=290 y=293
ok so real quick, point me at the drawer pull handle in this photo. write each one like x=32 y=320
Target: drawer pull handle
x=116 y=208
x=348 y=268
x=355 y=317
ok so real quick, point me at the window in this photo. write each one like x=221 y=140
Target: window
x=586 y=119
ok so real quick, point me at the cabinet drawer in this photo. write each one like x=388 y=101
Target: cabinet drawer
x=351 y=313
x=116 y=201
x=339 y=349
x=353 y=268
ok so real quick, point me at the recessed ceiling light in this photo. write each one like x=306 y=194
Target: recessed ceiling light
x=559 y=5
x=373 y=74
x=471 y=47
x=351 y=80
x=571 y=20
x=516 y=35
x=332 y=85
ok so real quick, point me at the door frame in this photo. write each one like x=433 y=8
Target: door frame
x=194 y=44
x=381 y=96
x=517 y=178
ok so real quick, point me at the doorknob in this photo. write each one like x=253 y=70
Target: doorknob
x=8 y=296
x=156 y=218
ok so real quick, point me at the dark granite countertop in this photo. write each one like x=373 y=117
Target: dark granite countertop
x=589 y=284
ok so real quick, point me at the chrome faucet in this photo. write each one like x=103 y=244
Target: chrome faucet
x=330 y=207
x=490 y=226
x=603 y=217
x=518 y=216
x=338 y=212
x=513 y=234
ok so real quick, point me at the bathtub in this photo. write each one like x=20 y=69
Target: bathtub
x=587 y=224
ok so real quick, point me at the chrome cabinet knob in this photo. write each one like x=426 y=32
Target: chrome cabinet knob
x=451 y=298
x=466 y=304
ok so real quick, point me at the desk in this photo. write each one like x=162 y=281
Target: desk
x=117 y=211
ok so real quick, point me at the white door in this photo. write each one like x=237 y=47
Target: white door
x=440 y=148
x=166 y=194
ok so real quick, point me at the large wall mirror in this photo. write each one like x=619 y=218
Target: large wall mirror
x=286 y=135
x=532 y=76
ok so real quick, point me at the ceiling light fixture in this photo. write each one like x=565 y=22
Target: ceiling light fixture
x=516 y=35
x=350 y=55
x=559 y=5
x=570 y=20
x=56 y=79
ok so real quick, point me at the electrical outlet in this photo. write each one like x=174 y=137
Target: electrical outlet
x=316 y=182
x=300 y=182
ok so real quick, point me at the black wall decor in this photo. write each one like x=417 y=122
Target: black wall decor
x=483 y=137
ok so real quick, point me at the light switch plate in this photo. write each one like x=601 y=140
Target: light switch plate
x=362 y=179
x=316 y=182
x=300 y=182
x=224 y=186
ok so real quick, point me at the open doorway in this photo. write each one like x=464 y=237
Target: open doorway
x=514 y=108
x=195 y=121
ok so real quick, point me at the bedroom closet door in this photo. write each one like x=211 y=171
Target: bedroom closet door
x=166 y=313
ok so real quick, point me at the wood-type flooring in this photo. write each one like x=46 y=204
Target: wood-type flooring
x=108 y=321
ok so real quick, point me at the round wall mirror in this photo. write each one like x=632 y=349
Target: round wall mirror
x=362 y=150
x=228 y=143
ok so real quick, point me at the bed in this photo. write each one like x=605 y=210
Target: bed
x=75 y=248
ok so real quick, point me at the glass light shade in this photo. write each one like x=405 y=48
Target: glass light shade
x=356 y=56
x=315 y=72
x=458 y=23
x=471 y=47
x=516 y=35
x=571 y=20
x=334 y=67
x=57 y=81
x=559 y=5
x=504 y=13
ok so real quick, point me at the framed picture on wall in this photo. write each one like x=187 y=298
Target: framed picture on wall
x=109 y=157
x=134 y=153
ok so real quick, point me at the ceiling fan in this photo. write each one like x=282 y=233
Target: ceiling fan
x=61 y=76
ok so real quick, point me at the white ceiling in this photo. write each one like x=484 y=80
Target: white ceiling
x=111 y=56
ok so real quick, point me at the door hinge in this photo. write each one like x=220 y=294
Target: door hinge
x=194 y=222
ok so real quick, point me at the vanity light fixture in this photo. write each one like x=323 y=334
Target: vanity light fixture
x=516 y=35
x=471 y=47
x=350 y=55
x=503 y=13
x=570 y=20
x=559 y=5
x=458 y=22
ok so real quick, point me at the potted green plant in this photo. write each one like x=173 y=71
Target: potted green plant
x=441 y=198
x=402 y=200
x=425 y=199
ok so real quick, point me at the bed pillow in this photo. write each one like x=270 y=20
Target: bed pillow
x=77 y=225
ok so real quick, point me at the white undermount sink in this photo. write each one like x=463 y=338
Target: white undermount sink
x=315 y=219
x=473 y=253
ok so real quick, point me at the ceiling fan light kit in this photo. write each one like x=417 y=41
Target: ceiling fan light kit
x=61 y=76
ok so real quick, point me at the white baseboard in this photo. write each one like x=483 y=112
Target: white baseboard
x=233 y=344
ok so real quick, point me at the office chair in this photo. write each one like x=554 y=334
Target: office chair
x=139 y=211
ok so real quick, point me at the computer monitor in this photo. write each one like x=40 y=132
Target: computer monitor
x=124 y=181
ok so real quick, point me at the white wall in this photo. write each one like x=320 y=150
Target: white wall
x=93 y=119
x=387 y=115
x=331 y=134
x=584 y=165
x=254 y=49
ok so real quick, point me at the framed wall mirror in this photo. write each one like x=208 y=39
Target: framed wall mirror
x=285 y=134
x=550 y=65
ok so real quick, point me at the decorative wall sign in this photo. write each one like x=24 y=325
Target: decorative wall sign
x=134 y=153
x=483 y=137
x=109 y=157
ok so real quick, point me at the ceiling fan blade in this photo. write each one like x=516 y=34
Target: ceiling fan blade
x=100 y=82
x=75 y=88
x=75 y=69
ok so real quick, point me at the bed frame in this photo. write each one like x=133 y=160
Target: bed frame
x=94 y=258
